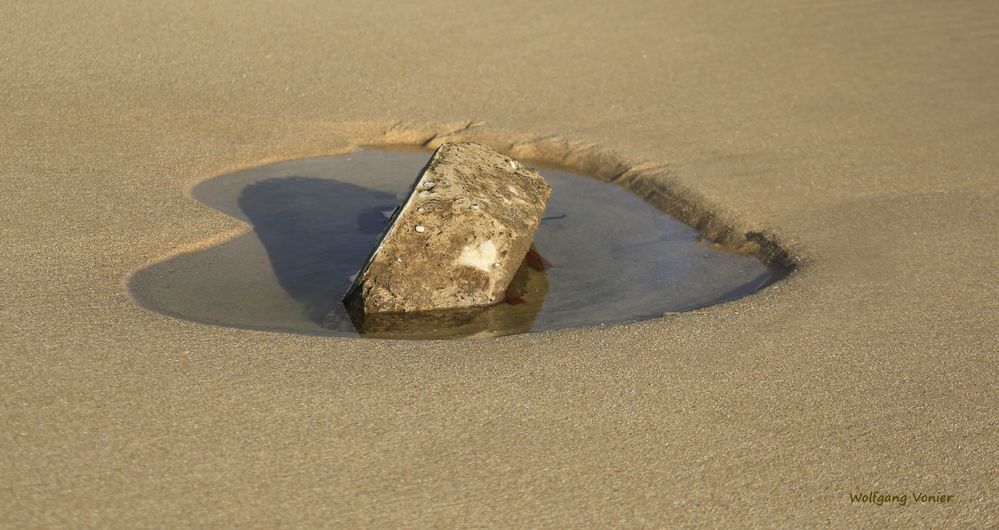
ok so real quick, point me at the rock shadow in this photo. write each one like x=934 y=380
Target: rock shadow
x=317 y=234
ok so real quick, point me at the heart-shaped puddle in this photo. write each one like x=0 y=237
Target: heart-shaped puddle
x=612 y=256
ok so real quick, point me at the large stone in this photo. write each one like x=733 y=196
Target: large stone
x=458 y=239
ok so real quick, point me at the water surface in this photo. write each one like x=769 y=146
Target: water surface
x=611 y=256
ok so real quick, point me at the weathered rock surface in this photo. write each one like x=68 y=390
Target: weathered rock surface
x=458 y=239
x=525 y=297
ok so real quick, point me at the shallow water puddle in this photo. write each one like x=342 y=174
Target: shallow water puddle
x=610 y=256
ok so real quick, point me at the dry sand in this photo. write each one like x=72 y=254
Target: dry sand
x=860 y=135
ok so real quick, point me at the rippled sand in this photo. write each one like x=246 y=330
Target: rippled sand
x=861 y=136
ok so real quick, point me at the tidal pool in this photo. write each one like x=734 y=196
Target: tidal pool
x=609 y=256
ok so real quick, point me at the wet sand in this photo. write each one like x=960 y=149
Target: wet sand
x=859 y=136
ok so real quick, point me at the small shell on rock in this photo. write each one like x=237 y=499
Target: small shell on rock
x=421 y=229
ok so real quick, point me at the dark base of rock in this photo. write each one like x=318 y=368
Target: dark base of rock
x=524 y=299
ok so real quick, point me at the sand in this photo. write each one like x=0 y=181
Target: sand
x=859 y=136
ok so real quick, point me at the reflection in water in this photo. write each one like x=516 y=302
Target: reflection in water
x=612 y=256
x=525 y=297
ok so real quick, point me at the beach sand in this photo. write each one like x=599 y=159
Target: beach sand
x=858 y=136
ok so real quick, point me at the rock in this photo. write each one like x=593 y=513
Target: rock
x=459 y=237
